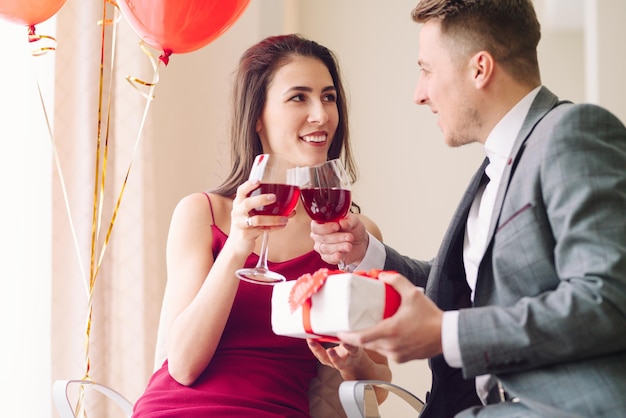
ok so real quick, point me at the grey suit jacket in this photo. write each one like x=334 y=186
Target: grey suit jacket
x=549 y=313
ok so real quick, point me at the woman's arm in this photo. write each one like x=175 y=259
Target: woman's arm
x=197 y=287
x=200 y=287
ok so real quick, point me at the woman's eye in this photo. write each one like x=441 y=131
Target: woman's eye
x=297 y=98
x=330 y=98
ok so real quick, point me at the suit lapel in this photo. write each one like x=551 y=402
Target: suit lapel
x=543 y=103
x=541 y=106
x=447 y=285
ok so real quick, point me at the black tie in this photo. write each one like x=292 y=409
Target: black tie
x=485 y=178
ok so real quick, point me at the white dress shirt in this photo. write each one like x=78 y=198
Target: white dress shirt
x=374 y=256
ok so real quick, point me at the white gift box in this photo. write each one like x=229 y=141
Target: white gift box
x=346 y=302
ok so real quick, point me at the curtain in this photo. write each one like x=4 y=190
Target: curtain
x=128 y=288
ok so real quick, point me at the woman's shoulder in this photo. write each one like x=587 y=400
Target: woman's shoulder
x=371 y=226
x=201 y=204
x=193 y=202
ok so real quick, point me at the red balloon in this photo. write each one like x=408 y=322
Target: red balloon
x=29 y=12
x=179 y=26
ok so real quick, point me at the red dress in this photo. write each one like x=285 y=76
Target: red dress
x=254 y=373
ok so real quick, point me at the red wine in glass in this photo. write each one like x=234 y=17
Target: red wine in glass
x=326 y=204
x=325 y=192
x=286 y=199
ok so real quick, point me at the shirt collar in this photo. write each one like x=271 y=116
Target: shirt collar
x=500 y=141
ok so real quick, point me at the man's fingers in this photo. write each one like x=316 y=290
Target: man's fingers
x=366 y=338
x=322 y=230
x=332 y=247
x=397 y=281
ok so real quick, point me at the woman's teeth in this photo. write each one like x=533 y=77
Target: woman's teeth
x=314 y=138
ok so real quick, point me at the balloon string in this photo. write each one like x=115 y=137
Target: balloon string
x=100 y=173
x=59 y=169
x=137 y=83
x=107 y=128
x=99 y=187
x=149 y=96
x=100 y=179
x=33 y=37
x=116 y=18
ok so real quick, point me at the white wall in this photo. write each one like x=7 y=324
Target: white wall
x=25 y=223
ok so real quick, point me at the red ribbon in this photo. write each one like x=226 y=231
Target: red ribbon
x=306 y=323
x=392 y=302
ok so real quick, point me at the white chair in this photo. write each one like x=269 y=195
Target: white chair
x=64 y=405
x=358 y=397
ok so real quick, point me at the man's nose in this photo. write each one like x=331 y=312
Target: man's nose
x=419 y=94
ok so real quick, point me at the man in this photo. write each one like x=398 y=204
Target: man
x=524 y=309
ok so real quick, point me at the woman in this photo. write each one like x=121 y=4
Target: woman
x=222 y=357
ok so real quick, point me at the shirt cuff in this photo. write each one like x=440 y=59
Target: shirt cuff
x=374 y=256
x=450 y=339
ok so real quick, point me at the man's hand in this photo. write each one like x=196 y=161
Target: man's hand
x=345 y=240
x=413 y=332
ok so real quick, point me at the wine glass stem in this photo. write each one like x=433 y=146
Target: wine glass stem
x=262 y=263
x=342 y=265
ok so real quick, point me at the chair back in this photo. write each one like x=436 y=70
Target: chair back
x=63 y=404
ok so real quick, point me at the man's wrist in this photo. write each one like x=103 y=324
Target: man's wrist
x=450 y=339
x=374 y=257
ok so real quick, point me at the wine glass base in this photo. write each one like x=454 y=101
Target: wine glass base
x=260 y=276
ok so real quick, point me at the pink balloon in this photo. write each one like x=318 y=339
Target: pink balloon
x=29 y=12
x=179 y=26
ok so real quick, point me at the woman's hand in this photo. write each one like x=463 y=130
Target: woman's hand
x=245 y=229
x=353 y=363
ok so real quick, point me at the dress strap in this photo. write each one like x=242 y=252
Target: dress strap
x=211 y=205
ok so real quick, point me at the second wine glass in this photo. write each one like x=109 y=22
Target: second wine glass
x=279 y=177
x=325 y=192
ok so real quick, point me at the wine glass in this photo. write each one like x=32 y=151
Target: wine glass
x=279 y=177
x=325 y=193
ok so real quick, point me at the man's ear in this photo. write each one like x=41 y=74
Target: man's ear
x=482 y=64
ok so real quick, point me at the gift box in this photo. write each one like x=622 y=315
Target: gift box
x=321 y=304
